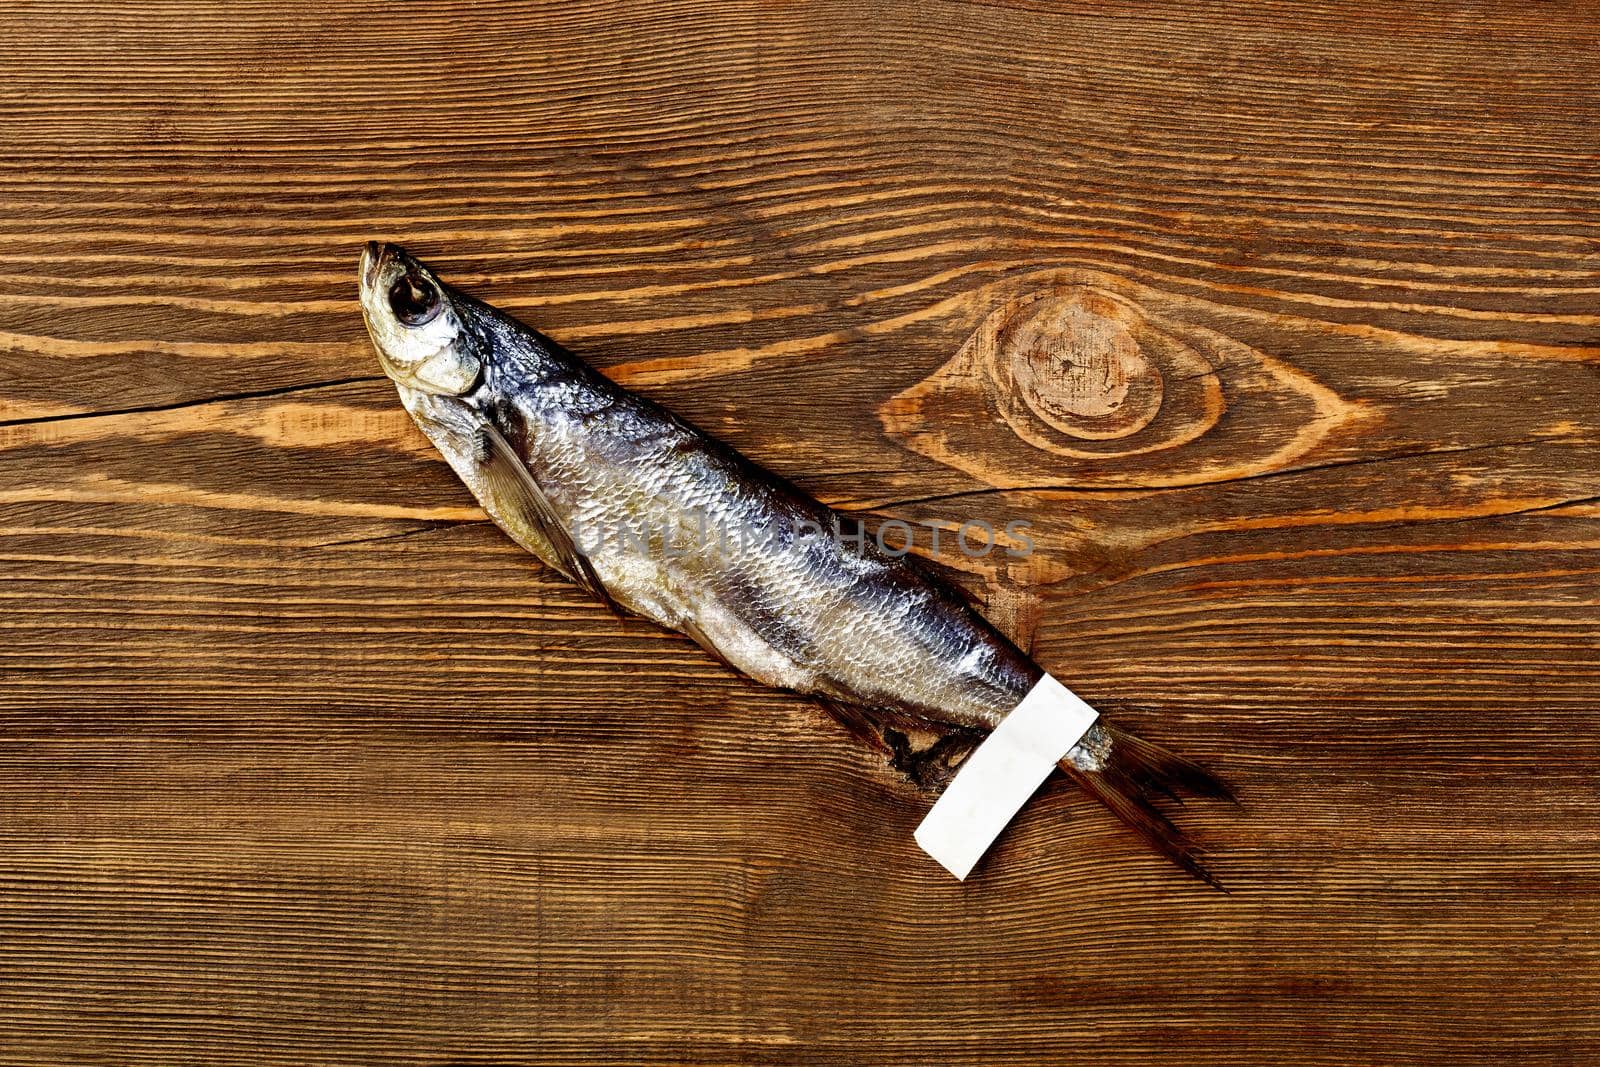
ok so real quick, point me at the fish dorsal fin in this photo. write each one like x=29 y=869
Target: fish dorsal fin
x=516 y=491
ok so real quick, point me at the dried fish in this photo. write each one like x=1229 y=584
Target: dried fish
x=559 y=455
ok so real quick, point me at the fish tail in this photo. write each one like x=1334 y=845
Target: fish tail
x=1130 y=775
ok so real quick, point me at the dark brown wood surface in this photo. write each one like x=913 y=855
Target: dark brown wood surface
x=1280 y=323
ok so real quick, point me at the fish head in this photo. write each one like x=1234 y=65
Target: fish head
x=417 y=324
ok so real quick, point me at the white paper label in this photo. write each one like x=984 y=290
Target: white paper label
x=1002 y=773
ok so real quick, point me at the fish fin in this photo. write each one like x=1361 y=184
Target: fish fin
x=692 y=630
x=926 y=755
x=1132 y=772
x=515 y=488
x=858 y=720
x=1163 y=770
x=934 y=766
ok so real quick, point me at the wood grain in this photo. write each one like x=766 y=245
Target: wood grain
x=1280 y=323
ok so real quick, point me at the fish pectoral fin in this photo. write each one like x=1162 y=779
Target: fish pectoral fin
x=517 y=491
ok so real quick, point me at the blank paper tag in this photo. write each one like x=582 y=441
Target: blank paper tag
x=1002 y=773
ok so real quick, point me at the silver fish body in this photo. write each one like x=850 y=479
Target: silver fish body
x=654 y=515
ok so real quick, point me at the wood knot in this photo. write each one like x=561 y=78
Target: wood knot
x=1086 y=378
x=1079 y=364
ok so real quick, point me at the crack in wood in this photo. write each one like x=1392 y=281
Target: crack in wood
x=258 y=394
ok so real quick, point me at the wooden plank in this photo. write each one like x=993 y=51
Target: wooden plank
x=1277 y=323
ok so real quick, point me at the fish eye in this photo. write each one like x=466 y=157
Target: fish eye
x=413 y=299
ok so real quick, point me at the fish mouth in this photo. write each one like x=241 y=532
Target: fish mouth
x=373 y=259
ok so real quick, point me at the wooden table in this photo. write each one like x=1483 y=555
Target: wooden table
x=1280 y=323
